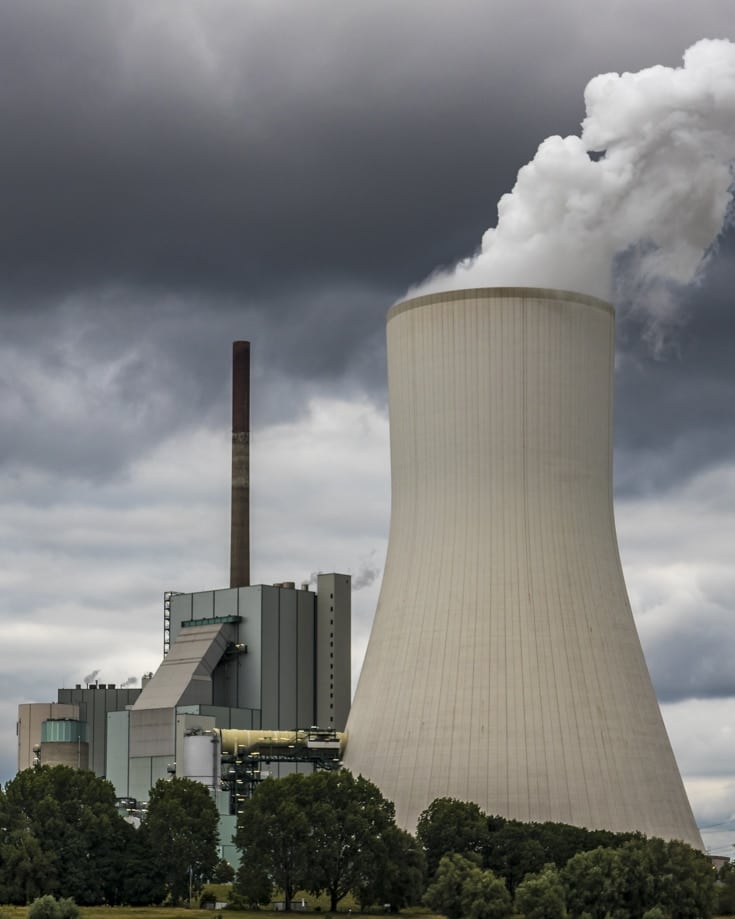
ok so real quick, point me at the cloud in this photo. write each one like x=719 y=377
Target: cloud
x=676 y=551
x=367 y=573
x=644 y=191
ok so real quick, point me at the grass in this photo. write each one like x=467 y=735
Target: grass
x=169 y=912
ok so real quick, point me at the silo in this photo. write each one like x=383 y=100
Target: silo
x=504 y=666
x=201 y=758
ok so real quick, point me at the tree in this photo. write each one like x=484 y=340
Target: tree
x=541 y=896
x=61 y=835
x=595 y=884
x=223 y=872
x=49 y=907
x=485 y=896
x=513 y=852
x=463 y=890
x=253 y=886
x=726 y=890
x=25 y=868
x=143 y=883
x=182 y=826
x=683 y=879
x=445 y=894
x=273 y=836
x=448 y=825
x=351 y=833
x=402 y=880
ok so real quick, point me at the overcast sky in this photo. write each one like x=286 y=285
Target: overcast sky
x=174 y=176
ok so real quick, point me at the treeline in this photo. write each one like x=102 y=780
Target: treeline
x=62 y=835
x=333 y=833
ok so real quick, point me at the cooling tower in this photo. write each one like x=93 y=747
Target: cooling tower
x=504 y=666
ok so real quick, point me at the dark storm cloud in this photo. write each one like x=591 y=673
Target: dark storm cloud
x=176 y=176
x=228 y=146
x=693 y=658
x=678 y=403
x=90 y=385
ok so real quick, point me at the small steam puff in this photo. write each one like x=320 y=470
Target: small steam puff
x=646 y=206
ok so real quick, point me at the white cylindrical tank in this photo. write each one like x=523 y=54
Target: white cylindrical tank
x=202 y=758
x=504 y=666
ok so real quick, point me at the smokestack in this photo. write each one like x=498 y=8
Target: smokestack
x=240 y=501
x=503 y=665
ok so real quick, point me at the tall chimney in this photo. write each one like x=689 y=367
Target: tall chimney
x=240 y=502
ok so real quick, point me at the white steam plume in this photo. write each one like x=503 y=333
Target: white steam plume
x=651 y=199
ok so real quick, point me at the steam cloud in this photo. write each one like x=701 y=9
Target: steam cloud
x=367 y=574
x=131 y=681
x=633 y=206
x=90 y=677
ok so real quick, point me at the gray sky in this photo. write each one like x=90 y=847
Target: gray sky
x=175 y=176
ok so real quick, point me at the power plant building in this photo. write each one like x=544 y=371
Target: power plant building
x=269 y=658
x=504 y=666
x=248 y=674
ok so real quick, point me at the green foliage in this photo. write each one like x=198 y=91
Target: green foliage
x=44 y=907
x=402 y=880
x=352 y=829
x=684 y=880
x=594 y=883
x=485 y=896
x=514 y=852
x=223 y=872
x=182 y=827
x=62 y=835
x=253 y=886
x=541 y=896
x=272 y=835
x=445 y=893
x=463 y=890
x=144 y=882
x=604 y=875
x=68 y=909
x=329 y=832
x=640 y=876
x=656 y=912
x=726 y=890
x=447 y=826
x=48 y=907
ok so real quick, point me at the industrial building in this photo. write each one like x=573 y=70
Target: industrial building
x=504 y=666
x=73 y=730
x=248 y=673
x=244 y=658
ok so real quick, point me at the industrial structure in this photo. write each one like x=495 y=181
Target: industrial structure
x=504 y=666
x=248 y=672
x=73 y=730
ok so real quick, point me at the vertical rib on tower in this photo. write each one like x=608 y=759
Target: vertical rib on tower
x=504 y=666
x=240 y=500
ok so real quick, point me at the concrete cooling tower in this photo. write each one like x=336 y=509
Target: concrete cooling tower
x=504 y=666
